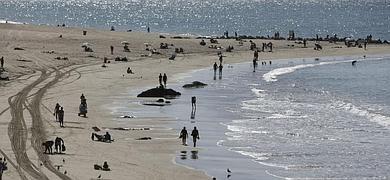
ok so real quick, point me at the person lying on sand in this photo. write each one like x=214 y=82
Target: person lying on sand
x=102 y=138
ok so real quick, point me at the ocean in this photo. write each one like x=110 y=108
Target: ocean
x=295 y=119
x=346 y=18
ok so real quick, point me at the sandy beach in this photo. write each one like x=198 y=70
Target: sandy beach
x=38 y=81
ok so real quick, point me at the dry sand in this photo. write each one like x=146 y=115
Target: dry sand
x=39 y=81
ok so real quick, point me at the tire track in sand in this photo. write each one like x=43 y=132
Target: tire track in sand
x=17 y=130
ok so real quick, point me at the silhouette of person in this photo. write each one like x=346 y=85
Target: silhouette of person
x=165 y=78
x=193 y=103
x=148 y=29
x=220 y=70
x=184 y=136
x=112 y=49
x=220 y=58
x=107 y=137
x=58 y=142
x=2 y=61
x=215 y=67
x=160 y=79
x=56 y=110
x=61 y=116
x=195 y=135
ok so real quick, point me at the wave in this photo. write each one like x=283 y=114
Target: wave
x=259 y=92
x=9 y=22
x=273 y=74
x=372 y=116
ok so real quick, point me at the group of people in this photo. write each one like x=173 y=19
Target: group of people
x=59 y=146
x=184 y=136
x=256 y=58
x=218 y=67
x=163 y=79
x=59 y=114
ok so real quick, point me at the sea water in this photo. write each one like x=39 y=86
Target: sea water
x=299 y=118
x=356 y=18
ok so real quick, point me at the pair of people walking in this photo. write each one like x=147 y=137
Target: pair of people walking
x=184 y=136
x=162 y=79
x=59 y=114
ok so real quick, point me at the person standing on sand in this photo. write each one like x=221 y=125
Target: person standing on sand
x=148 y=29
x=61 y=116
x=215 y=68
x=220 y=58
x=220 y=70
x=195 y=136
x=184 y=136
x=56 y=110
x=2 y=61
x=58 y=142
x=112 y=50
x=165 y=78
x=193 y=103
x=160 y=79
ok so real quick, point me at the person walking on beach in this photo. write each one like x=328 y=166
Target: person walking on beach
x=148 y=29
x=61 y=116
x=220 y=70
x=184 y=136
x=165 y=78
x=255 y=58
x=193 y=103
x=2 y=61
x=215 y=67
x=56 y=110
x=112 y=50
x=220 y=58
x=160 y=79
x=195 y=135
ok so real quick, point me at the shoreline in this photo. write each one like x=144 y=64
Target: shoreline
x=99 y=83
x=228 y=157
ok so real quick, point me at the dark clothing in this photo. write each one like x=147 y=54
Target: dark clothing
x=183 y=136
x=2 y=61
x=61 y=117
x=165 y=78
x=56 y=110
x=160 y=79
x=58 y=142
x=195 y=136
x=215 y=67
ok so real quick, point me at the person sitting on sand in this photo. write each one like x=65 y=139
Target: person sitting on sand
x=202 y=43
x=126 y=48
x=102 y=138
x=105 y=166
x=129 y=71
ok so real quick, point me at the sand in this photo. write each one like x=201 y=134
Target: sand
x=39 y=81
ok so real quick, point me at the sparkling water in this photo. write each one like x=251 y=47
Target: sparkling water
x=356 y=18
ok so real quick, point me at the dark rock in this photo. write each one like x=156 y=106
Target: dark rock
x=195 y=84
x=160 y=92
